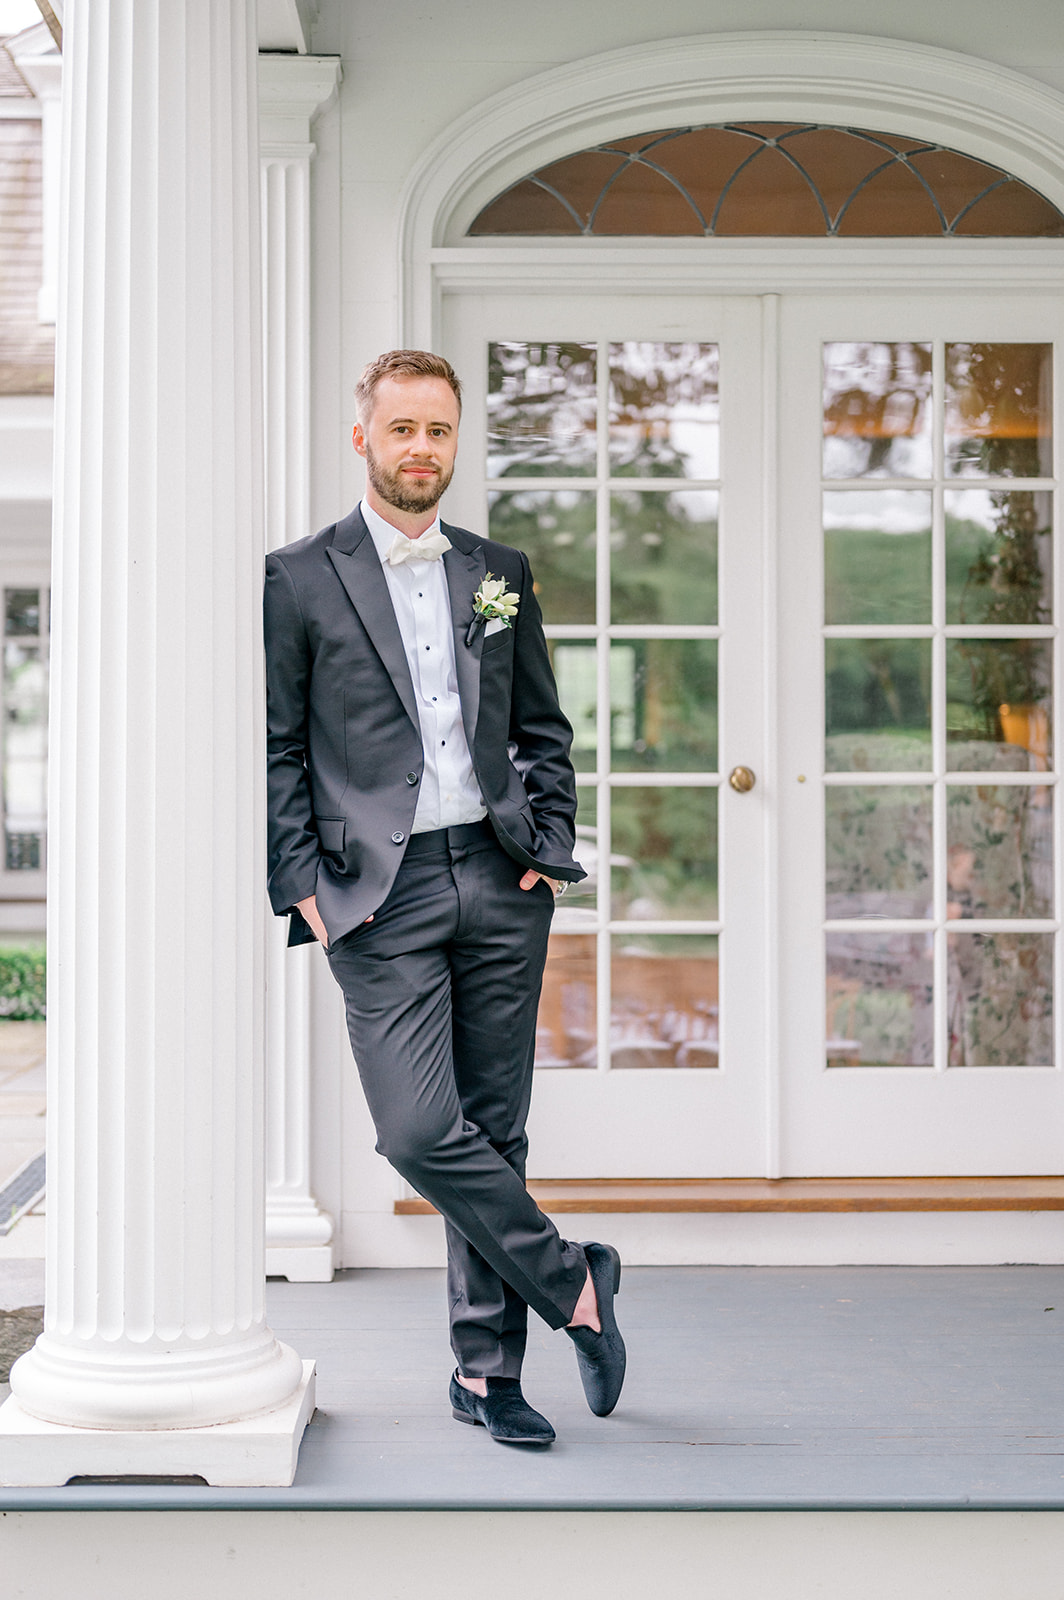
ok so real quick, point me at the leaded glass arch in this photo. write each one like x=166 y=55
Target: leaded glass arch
x=777 y=179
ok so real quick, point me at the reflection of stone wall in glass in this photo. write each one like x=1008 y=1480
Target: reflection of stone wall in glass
x=879 y=999
x=1000 y=999
x=566 y=1027
x=664 y=1010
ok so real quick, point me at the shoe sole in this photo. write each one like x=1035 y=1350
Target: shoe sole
x=463 y=1416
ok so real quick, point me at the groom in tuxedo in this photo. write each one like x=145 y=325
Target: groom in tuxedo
x=421 y=805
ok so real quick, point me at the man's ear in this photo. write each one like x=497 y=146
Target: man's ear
x=358 y=439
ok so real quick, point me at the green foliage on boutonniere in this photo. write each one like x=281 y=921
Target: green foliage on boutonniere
x=492 y=602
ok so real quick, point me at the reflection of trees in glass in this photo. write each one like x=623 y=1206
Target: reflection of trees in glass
x=878 y=683
x=541 y=409
x=998 y=410
x=876 y=399
x=557 y=533
x=675 y=705
x=670 y=836
x=876 y=577
x=985 y=679
x=663 y=404
x=664 y=557
x=1007 y=576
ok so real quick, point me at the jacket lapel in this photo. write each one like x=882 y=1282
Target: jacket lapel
x=358 y=566
x=465 y=567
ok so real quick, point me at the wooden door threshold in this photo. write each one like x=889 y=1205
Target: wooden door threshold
x=558 y=1195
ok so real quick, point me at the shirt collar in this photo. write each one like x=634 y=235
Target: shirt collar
x=383 y=532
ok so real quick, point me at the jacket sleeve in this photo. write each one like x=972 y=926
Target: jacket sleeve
x=542 y=737
x=293 y=849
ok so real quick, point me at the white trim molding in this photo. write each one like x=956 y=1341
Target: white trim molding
x=984 y=110
x=293 y=92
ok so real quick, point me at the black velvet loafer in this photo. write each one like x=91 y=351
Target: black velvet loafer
x=504 y=1411
x=601 y=1356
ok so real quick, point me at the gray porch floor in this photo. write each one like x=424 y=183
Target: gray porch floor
x=749 y=1388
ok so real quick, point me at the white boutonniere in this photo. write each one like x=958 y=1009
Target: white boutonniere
x=492 y=603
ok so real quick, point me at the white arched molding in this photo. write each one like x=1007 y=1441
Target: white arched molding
x=973 y=106
x=293 y=91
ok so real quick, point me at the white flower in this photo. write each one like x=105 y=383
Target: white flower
x=492 y=600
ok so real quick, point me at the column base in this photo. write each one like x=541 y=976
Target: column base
x=309 y=1263
x=260 y=1452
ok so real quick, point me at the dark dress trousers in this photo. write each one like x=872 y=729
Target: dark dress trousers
x=441 y=988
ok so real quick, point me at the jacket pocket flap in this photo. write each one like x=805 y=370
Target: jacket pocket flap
x=331 y=832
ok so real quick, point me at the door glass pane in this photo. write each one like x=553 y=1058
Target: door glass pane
x=541 y=409
x=877 y=410
x=575 y=664
x=582 y=898
x=879 y=859
x=664 y=416
x=1000 y=999
x=999 y=851
x=565 y=1025
x=663 y=556
x=878 y=705
x=556 y=530
x=664 y=854
x=880 y=1010
x=999 y=711
x=663 y=705
x=999 y=556
x=664 y=1010
x=998 y=410
x=877 y=556
x=25 y=730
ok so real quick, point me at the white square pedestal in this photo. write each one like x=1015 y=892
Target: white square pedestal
x=260 y=1453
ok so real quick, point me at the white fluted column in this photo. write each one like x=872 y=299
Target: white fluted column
x=293 y=91
x=156 y=1355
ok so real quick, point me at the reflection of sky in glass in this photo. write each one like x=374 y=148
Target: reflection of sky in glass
x=877 y=412
x=878 y=510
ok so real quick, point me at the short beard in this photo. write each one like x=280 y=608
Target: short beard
x=405 y=496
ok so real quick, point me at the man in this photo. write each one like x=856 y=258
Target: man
x=421 y=806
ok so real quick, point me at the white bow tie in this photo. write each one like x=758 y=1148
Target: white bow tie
x=429 y=547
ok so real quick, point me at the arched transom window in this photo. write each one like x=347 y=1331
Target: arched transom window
x=770 y=178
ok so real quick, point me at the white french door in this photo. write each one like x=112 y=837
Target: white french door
x=919 y=816
x=802 y=542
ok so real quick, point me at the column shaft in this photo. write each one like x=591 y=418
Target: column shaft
x=154 y=1307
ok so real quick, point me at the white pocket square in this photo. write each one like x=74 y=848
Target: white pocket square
x=494 y=626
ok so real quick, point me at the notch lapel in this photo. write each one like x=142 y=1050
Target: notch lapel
x=465 y=567
x=354 y=555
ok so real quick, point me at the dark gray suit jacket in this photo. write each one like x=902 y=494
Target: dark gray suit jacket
x=344 y=752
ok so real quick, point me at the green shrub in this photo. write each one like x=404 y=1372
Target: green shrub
x=22 y=969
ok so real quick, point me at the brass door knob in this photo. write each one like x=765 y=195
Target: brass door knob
x=741 y=779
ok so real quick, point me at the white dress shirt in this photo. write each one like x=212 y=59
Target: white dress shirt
x=449 y=793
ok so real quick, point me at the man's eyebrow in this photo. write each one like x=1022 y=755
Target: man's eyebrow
x=410 y=422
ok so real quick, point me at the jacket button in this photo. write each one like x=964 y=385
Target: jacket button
x=397 y=838
x=411 y=777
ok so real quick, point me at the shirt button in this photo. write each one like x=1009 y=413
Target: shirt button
x=411 y=777
x=397 y=838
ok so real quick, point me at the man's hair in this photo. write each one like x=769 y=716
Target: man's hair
x=403 y=364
